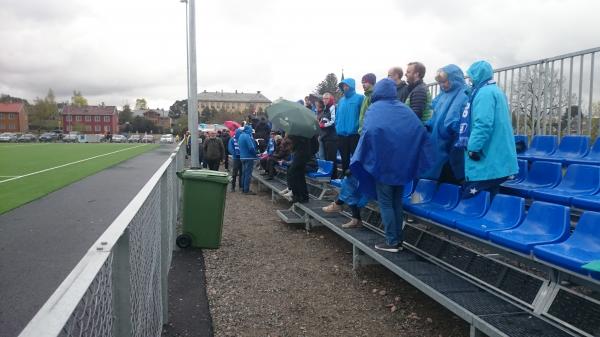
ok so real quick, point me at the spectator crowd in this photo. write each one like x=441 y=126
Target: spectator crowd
x=383 y=140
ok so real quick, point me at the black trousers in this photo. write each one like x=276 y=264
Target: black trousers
x=226 y=162
x=347 y=145
x=296 y=179
x=213 y=164
x=331 y=147
x=237 y=173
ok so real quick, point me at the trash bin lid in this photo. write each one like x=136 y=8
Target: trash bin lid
x=204 y=175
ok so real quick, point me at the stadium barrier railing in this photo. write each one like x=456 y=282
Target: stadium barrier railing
x=119 y=288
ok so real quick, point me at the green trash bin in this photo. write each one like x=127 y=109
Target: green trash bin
x=203 y=208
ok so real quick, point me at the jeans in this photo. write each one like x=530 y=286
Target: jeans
x=390 y=205
x=213 y=164
x=347 y=145
x=237 y=172
x=247 y=166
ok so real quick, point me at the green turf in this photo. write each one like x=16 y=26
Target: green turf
x=22 y=159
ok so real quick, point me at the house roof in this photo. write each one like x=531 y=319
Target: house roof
x=233 y=97
x=11 y=107
x=89 y=110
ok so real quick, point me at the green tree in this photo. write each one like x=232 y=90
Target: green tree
x=178 y=108
x=44 y=112
x=125 y=115
x=329 y=84
x=5 y=98
x=78 y=100
x=140 y=124
x=141 y=103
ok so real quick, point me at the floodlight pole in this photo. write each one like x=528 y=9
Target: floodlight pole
x=192 y=81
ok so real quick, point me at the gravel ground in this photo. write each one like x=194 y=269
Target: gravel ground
x=274 y=279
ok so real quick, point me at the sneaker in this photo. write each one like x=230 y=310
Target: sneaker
x=388 y=248
x=353 y=223
x=284 y=191
x=289 y=194
x=332 y=208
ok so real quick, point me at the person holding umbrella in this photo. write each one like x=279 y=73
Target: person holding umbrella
x=301 y=126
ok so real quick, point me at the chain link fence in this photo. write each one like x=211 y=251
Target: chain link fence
x=119 y=288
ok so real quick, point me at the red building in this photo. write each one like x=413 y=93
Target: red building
x=13 y=118
x=90 y=119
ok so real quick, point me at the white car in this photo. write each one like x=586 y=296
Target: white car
x=72 y=137
x=8 y=137
x=147 y=139
x=167 y=139
x=119 y=139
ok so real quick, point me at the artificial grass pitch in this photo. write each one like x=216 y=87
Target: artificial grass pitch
x=27 y=160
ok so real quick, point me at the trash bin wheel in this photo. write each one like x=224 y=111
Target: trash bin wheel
x=184 y=241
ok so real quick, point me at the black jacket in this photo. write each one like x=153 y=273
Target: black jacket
x=417 y=92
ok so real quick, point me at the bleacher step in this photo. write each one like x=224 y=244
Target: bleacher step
x=290 y=217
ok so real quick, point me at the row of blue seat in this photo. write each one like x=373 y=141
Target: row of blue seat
x=543 y=231
x=571 y=150
x=544 y=181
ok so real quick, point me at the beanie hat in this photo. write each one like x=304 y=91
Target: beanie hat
x=370 y=78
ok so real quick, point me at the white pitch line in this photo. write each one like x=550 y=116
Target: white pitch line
x=7 y=176
x=71 y=163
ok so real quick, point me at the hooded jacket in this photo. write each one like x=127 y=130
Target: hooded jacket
x=491 y=130
x=213 y=149
x=447 y=108
x=394 y=145
x=348 y=110
x=363 y=108
x=247 y=144
x=233 y=148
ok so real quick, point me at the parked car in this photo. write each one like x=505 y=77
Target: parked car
x=168 y=138
x=48 y=137
x=119 y=139
x=148 y=139
x=134 y=139
x=8 y=137
x=59 y=134
x=72 y=137
x=26 y=138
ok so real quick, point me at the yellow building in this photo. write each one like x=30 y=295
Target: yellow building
x=233 y=101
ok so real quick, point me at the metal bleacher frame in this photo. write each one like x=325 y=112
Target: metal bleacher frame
x=497 y=291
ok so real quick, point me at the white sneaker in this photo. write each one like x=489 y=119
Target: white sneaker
x=288 y=195
x=284 y=191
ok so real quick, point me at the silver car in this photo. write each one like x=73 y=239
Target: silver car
x=148 y=139
x=119 y=139
x=8 y=137
x=168 y=138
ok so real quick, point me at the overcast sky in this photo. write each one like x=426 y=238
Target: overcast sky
x=115 y=51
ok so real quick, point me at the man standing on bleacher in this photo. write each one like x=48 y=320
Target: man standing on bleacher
x=486 y=134
x=346 y=121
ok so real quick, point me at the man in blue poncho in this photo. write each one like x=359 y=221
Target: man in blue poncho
x=486 y=134
x=393 y=148
x=234 y=150
x=448 y=165
x=347 y=116
x=247 y=146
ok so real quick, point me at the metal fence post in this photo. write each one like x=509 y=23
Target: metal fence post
x=121 y=271
x=165 y=228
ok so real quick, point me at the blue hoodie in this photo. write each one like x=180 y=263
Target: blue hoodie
x=247 y=144
x=233 y=146
x=394 y=145
x=491 y=130
x=447 y=108
x=271 y=146
x=347 y=112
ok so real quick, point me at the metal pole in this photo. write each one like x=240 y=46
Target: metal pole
x=192 y=85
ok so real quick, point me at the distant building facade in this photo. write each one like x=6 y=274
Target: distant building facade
x=233 y=101
x=90 y=119
x=13 y=118
x=159 y=117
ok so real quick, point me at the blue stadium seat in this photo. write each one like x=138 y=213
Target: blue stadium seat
x=445 y=197
x=545 y=223
x=505 y=212
x=523 y=171
x=592 y=158
x=570 y=147
x=522 y=143
x=336 y=183
x=324 y=171
x=541 y=175
x=578 y=180
x=424 y=192
x=587 y=202
x=581 y=248
x=541 y=146
x=470 y=208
